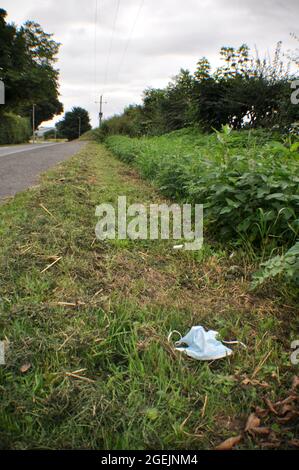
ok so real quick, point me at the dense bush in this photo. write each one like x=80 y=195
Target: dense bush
x=248 y=182
x=14 y=129
x=244 y=92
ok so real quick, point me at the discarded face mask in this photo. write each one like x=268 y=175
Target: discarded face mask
x=202 y=345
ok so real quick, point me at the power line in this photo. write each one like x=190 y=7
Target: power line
x=130 y=36
x=111 y=42
x=96 y=46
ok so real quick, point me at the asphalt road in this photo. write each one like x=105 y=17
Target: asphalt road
x=11 y=149
x=21 y=165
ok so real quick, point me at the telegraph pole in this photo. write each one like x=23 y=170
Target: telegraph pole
x=33 y=122
x=79 y=127
x=101 y=110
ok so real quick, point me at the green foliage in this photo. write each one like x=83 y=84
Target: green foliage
x=127 y=123
x=74 y=123
x=27 y=60
x=14 y=129
x=245 y=92
x=286 y=266
x=247 y=182
x=168 y=109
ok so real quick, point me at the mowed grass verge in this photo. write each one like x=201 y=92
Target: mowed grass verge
x=88 y=363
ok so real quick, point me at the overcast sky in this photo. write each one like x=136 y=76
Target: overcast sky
x=145 y=42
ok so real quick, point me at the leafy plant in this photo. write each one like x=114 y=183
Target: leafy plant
x=248 y=183
x=286 y=265
x=14 y=129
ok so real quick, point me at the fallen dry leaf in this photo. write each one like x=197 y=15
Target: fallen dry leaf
x=294 y=442
x=228 y=444
x=286 y=408
x=295 y=383
x=287 y=400
x=256 y=383
x=252 y=422
x=291 y=416
x=25 y=367
x=285 y=412
x=253 y=426
x=261 y=412
x=270 y=406
x=262 y=431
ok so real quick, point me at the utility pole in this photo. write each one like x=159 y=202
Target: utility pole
x=101 y=110
x=33 y=122
x=79 y=127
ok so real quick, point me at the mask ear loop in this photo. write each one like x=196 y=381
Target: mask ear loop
x=178 y=342
x=235 y=342
x=172 y=333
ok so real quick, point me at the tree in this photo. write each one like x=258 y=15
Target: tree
x=203 y=71
x=128 y=123
x=153 y=116
x=13 y=60
x=237 y=62
x=75 y=123
x=178 y=104
x=27 y=60
x=246 y=91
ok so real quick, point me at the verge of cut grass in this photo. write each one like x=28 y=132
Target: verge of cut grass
x=92 y=329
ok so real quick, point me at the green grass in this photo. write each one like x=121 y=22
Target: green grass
x=134 y=391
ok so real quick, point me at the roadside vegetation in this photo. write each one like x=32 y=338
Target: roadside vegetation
x=247 y=181
x=14 y=129
x=86 y=324
x=228 y=139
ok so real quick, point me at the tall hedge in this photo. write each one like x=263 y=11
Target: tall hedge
x=14 y=129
